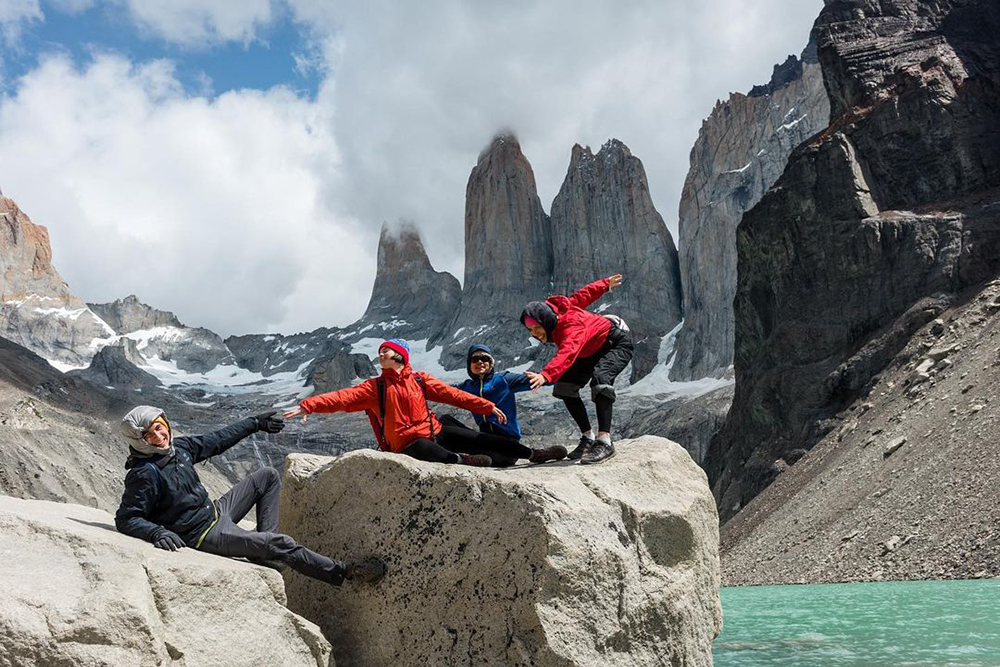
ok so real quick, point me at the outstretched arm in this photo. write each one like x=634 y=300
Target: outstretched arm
x=517 y=382
x=439 y=392
x=588 y=294
x=211 y=444
x=352 y=399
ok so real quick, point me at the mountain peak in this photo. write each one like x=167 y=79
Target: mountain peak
x=130 y=314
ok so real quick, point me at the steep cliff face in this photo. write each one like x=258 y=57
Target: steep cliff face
x=604 y=222
x=871 y=229
x=37 y=308
x=508 y=255
x=409 y=298
x=742 y=148
x=508 y=239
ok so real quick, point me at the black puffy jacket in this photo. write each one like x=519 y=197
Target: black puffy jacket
x=165 y=491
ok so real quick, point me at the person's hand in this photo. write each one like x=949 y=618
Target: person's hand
x=295 y=412
x=537 y=379
x=498 y=413
x=168 y=541
x=269 y=423
x=614 y=281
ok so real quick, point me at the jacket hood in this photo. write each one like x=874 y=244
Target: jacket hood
x=468 y=362
x=543 y=313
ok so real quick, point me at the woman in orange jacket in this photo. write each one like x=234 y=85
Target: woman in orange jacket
x=397 y=405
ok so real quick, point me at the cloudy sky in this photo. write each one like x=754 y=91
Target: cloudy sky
x=233 y=160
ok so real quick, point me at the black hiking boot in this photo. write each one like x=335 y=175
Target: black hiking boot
x=599 y=451
x=553 y=453
x=581 y=448
x=278 y=565
x=476 y=460
x=367 y=572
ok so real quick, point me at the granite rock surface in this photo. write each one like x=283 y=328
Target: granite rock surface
x=558 y=564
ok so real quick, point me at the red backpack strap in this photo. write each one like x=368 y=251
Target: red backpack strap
x=378 y=421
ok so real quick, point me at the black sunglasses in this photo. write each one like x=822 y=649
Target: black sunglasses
x=482 y=360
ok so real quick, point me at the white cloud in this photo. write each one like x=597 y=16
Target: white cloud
x=213 y=208
x=422 y=87
x=196 y=23
x=14 y=15
x=260 y=210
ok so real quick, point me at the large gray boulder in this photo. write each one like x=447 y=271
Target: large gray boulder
x=75 y=592
x=607 y=565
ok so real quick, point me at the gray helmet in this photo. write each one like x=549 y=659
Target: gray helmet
x=138 y=420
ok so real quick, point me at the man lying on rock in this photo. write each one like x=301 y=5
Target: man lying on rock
x=501 y=389
x=165 y=502
x=397 y=405
x=592 y=348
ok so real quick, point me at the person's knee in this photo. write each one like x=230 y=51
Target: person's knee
x=279 y=546
x=565 y=390
x=603 y=392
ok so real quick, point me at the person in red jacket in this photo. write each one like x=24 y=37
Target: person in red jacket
x=592 y=348
x=402 y=419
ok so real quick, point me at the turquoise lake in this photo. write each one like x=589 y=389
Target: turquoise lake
x=897 y=624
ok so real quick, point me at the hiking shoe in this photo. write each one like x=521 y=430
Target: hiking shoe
x=278 y=565
x=477 y=460
x=553 y=453
x=581 y=448
x=599 y=451
x=367 y=572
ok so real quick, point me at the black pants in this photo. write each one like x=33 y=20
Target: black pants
x=456 y=438
x=599 y=370
x=261 y=489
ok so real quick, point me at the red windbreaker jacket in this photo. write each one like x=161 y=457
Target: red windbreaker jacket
x=407 y=416
x=578 y=332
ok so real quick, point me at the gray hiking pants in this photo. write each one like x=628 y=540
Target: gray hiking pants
x=262 y=489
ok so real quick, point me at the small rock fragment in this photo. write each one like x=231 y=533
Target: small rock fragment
x=893 y=445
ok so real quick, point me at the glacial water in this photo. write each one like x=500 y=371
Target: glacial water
x=897 y=624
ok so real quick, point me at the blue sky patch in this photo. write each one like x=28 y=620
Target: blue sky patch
x=267 y=61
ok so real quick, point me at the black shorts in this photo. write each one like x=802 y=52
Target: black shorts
x=599 y=369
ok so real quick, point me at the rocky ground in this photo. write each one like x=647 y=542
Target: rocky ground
x=904 y=486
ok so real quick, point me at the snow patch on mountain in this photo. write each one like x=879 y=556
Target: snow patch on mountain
x=658 y=382
x=231 y=380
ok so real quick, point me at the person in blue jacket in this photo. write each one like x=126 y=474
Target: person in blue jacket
x=500 y=388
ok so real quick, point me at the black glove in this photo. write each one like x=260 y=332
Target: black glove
x=270 y=422
x=168 y=540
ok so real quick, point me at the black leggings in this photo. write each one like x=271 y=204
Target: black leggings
x=455 y=438
x=600 y=371
x=578 y=411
